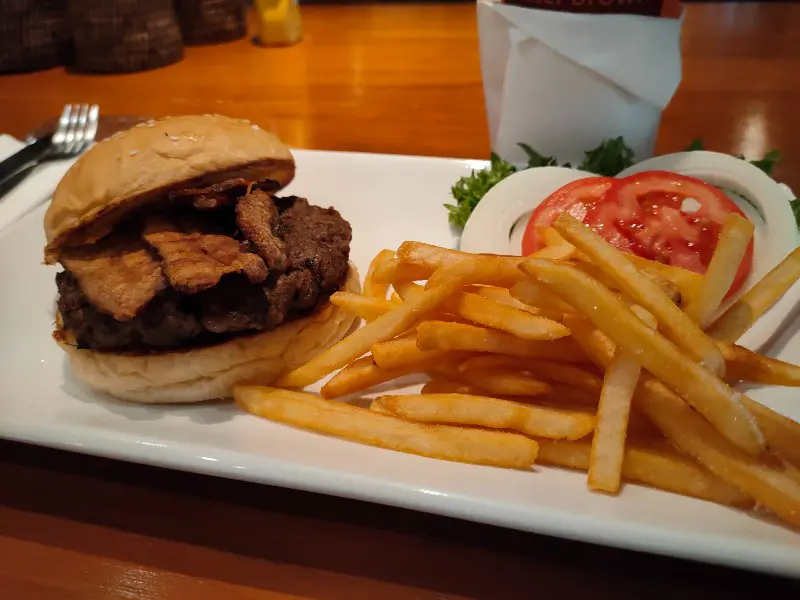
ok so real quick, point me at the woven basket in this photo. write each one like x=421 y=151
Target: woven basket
x=121 y=36
x=211 y=21
x=33 y=35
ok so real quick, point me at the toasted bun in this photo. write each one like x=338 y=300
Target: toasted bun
x=142 y=164
x=209 y=373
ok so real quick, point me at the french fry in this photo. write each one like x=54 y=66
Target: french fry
x=782 y=433
x=372 y=288
x=676 y=325
x=613 y=413
x=366 y=307
x=402 y=353
x=550 y=371
x=395 y=298
x=561 y=252
x=535 y=294
x=477 y=446
x=550 y=236
x=745 y=365
x=487 y=312
x=395 y=270
x=406 y=288
x=741 y=315
x=440 y=335
x=482 y=411
x=505 y=382
x=381 y=329
x=487 y=269
x=695 y=436
x=359 y=376
x=709 y=395
x=660 y=469
x=736 y=235
x=687 y=282
x=374 y=406
x=446 y=385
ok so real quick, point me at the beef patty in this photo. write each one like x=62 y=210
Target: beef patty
x=315 y=248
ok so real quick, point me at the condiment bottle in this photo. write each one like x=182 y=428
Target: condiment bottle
x=279 y=22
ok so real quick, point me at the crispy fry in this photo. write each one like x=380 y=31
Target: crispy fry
x=613 y=413
x=676 y=325
x=439 y=335
x=487 y=312
x=782 y=433
x=368 y=308
x=372 y=288
x=709 y=395
x=741 y=315
x=395 y=270
x=551 y=371
x=746 y=365
x=487 y=269
x=550 y=236
x=477 y=446
x=505 y=382
x=402 y=353
x=445 y=385
x=537 y=295
x=734 y=240
x=561 y=252
x=359 y=376
x=381 y=329
x=490 y=412
x=687 y=282
x=660 y=469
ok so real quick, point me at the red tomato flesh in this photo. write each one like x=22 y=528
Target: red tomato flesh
x=661 y=216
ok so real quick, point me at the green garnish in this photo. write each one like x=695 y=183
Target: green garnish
x=468 y=191
x=608 y=159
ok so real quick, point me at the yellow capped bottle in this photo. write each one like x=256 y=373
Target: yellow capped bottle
x=278 y=22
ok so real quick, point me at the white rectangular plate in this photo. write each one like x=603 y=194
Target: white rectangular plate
x=387 y=199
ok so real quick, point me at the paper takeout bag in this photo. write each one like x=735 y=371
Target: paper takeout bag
x=563 y=82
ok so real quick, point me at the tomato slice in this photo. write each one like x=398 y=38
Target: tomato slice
x=578 y=198
x=661 y=216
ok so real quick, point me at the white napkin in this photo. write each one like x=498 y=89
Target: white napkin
x=34 y=190
x=564 y=82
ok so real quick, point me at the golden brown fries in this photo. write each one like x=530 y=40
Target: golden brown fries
x=367 y=307
x=741 y=315
x=613 y=413
x=550 y=371
x=733 y=242
x=660 y=469
x=592 y=353
x=440 y=335
x=490 y=412
x=372 y=288
x=711 y=396
x=478 y=446
x=675 y=323
x=487 y=312
x=505 y=382
x=381 y=329
x=745 y=365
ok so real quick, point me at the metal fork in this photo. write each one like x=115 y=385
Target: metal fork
x=77 y=129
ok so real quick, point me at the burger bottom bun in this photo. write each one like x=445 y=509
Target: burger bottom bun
x=210 y=373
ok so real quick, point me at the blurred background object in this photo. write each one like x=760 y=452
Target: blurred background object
x=278 y=22
x=33 y=35
x=120 y=36
x=211 y=21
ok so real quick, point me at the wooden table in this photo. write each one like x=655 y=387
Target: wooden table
x=369 y=79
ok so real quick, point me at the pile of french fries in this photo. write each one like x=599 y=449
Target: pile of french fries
x=578 y=356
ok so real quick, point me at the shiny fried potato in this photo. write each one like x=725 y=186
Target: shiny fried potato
x=674 y=323
x=535 y=294
x=486 y=269
x=372 y=288
x=745 y=365
x=385 y=327
x=441 y=384
x=394 y=270
x=366 y=307
x=561 y=252
x=487 y=312
x=741 y=315
x=662 y=469
x=734 y=239
x=687 y=282
x=402 y=353
x=478 y=446
x=440 y=335
x=549 y=371
x=505 y=382
x=483 y=411
x=711 y=396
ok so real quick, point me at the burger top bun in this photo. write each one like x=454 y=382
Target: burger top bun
x=143 y=164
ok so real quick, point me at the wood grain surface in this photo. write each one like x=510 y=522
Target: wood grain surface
x=403 y=79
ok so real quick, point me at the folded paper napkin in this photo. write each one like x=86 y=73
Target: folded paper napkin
x=34 y=190
x=563 y=82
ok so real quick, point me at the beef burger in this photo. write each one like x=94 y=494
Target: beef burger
x=183 y=272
